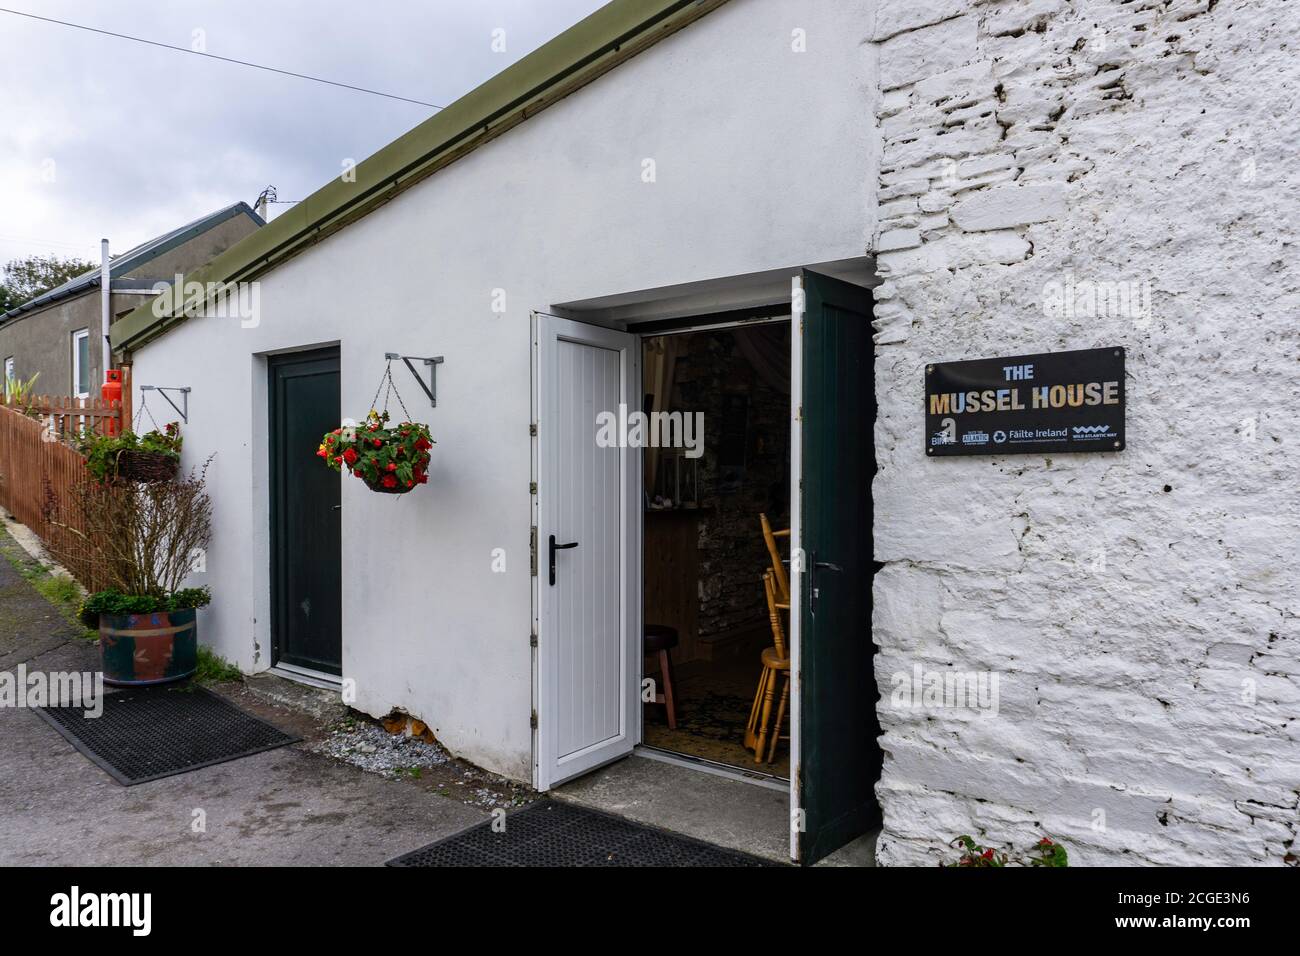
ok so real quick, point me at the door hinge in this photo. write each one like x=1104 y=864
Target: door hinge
x=532 y=639
x=532 y=721
x=532 y=429
x=532 y=487
x=532 y=551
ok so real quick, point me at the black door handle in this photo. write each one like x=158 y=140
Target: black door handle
x=558 y=547
x=813 y=567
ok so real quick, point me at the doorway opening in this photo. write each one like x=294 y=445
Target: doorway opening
x=722 y=668
x=628 y=633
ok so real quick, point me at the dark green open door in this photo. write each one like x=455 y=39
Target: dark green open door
x=839 y=757
x=306 y=544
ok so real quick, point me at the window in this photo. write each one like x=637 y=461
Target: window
x=81 y=363
x=9 y=374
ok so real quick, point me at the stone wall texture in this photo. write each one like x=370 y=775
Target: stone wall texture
x=1139 y=608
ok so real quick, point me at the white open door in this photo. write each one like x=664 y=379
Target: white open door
x=797 y=308
x=587 y=583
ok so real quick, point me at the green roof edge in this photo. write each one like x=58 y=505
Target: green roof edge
x=615 y=32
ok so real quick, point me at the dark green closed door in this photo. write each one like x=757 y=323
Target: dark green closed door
x=306 y=556
x=839 y=757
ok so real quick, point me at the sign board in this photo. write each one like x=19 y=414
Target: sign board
x=1052 y=402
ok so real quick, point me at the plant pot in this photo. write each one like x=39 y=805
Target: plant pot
x=142 y=649
x=146 y=466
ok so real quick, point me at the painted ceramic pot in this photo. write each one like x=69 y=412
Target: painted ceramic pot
x=142 y=649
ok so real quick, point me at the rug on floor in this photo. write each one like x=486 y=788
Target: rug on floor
x=549 y=833
x=150 y=732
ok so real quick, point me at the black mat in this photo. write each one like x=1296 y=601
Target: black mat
x=559 y=834
x=152 y=732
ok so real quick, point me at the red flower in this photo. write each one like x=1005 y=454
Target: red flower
x=338 y=459
x=350 y=456
x=422 y=478
x=410 y=484
x=392 y=466
x=389 y=481
x=377 y=443
x=988 y=854
x=322 y=453
x=1045 y=842
x=423 y=443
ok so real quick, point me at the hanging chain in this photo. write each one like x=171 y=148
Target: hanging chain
x=142 y=410
x=393 y=385
x=387 y=379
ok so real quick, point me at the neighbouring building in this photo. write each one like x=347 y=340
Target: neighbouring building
x=58 y=333
x=747 y=205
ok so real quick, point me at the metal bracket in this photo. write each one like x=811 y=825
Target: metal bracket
x=183 y=409
x=431 y=364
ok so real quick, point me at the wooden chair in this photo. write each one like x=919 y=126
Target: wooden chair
x=776 y=663
x=778 y=569
x=660 y=639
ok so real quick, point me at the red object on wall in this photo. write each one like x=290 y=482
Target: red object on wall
x=111 y=391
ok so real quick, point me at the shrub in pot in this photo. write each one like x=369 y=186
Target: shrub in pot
x=144 y=537
x=144 y=639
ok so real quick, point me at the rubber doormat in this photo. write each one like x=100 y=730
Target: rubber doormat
x=560 y=834
x=151 y=732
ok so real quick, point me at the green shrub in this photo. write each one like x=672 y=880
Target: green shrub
x=115 y=602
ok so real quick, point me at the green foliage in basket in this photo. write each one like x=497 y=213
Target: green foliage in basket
x=102 y=451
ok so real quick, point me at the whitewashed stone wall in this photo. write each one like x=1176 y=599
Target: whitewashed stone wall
x=1140 y=608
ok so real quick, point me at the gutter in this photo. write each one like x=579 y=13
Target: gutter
x=613 y=34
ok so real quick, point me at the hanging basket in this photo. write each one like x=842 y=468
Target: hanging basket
x=376 y=452
x=147 y=466
x=398 y=489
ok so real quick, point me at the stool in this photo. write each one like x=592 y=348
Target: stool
x=659 y=638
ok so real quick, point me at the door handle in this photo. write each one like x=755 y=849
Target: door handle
x=813 y=566
x=558 y=547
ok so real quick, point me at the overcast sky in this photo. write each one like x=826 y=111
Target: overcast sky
x=102 y=137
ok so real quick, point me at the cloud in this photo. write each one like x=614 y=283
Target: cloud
x=104 y=137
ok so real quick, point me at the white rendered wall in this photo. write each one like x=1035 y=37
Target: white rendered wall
x=763 y=159
x=1140 y=608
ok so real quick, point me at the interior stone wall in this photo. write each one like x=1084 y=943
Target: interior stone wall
x=732 y=555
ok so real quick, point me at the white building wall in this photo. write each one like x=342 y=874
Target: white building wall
x=1140 y=607
x=763 y=159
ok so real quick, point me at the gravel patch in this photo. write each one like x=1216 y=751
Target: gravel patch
x=376 y=750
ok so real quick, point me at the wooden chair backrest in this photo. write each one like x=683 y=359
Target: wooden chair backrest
x=778 y=569
x=774 y=614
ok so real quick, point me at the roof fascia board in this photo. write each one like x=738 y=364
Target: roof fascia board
x=614 y=33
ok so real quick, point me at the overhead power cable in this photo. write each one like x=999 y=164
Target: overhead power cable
x=224 y=59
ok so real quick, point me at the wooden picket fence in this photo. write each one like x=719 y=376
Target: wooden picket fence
x=39 y=468
x=67 y=418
